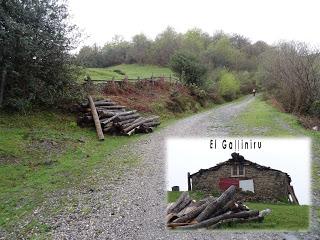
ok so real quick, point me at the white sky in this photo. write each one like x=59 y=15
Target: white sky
x=268 y=20
x=292 y=156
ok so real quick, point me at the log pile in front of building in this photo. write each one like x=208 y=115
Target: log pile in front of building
x=210 y=212
x=116 y=119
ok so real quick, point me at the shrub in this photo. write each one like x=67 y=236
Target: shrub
x=188 y=68
x=199 y=94
x=315 y=108
x=182 y=103
x=119 y=72
x=229 y=86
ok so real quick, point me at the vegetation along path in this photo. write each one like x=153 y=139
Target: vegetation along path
x=128 y=207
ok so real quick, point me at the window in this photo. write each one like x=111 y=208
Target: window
x=237 y=170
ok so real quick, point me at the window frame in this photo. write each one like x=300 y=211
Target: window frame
x=238 y=170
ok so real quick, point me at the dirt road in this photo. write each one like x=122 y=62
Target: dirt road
x=132 y=207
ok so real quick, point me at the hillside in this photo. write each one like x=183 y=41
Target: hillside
x=131 y=70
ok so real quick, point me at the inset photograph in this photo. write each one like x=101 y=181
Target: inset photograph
x=238 y=184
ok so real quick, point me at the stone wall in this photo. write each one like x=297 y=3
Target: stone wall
x=269 y=185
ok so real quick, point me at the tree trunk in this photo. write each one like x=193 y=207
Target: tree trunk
x=237 y=220
x=3 y=82
x=96 y=119
x=194 y=213
x=214 y=206
x=131 y=116
x=180 y=204
x=211 y=221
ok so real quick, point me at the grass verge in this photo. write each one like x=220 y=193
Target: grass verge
x=261 y=119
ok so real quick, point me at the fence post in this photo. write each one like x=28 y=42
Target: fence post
x=152 y=81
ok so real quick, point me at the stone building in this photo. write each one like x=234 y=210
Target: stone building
x=254 y=182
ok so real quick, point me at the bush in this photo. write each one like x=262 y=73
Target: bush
x=188 y=68
x=180 y=103
x=229 y=86
x=199 y=94
x=119 y=72
x=315 y=109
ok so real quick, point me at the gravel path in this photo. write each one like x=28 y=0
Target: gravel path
x=131 y=208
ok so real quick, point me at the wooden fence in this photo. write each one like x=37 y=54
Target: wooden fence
x=170 y=79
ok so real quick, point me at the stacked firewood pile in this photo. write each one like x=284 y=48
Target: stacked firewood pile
x=116 y=119
x=210 y=212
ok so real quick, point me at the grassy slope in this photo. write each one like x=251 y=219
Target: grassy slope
x=283 y=216
x=131 y=70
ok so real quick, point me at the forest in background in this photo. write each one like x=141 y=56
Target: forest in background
x=223 y=65
x=38 y=70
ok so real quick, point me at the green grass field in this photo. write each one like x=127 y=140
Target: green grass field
x=283 y=216
x=131 y=70
x=44 y=152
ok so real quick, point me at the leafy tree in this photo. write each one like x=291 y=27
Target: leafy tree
x=188 y=68
x=116 y=52
x=140 y=49
x=35 y=41
x=195 y=41
x=222 y=54
x=229 y=86
x=164 y=46
x=90 y=56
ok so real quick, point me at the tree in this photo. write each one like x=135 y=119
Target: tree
x=116 y=52
x=140 y=49
x=290 y=73
x=90 y=56
x=195 y=41
x=188 y=68
x=165 y=45
x=222 y=54
x=35 y=41
x=229 y=86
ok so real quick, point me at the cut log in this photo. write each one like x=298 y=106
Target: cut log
x=131 y=116
x=107 y=120
x=220 y=202
x=194 y=213
x=135 y=120
x=99 y=104
x=96 y=119
x=174 y=225
x=114 y=107
x=236 y=220
x=136 y=124
x=151 y=124
x=229 y=206
x=170 y=217
x=228 y=215
x=106 y=113
x=181 y=203
x=122 y=123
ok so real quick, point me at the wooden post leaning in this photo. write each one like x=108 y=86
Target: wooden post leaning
x=96 y=119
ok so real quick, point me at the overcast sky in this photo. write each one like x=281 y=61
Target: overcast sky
x=270 y=20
